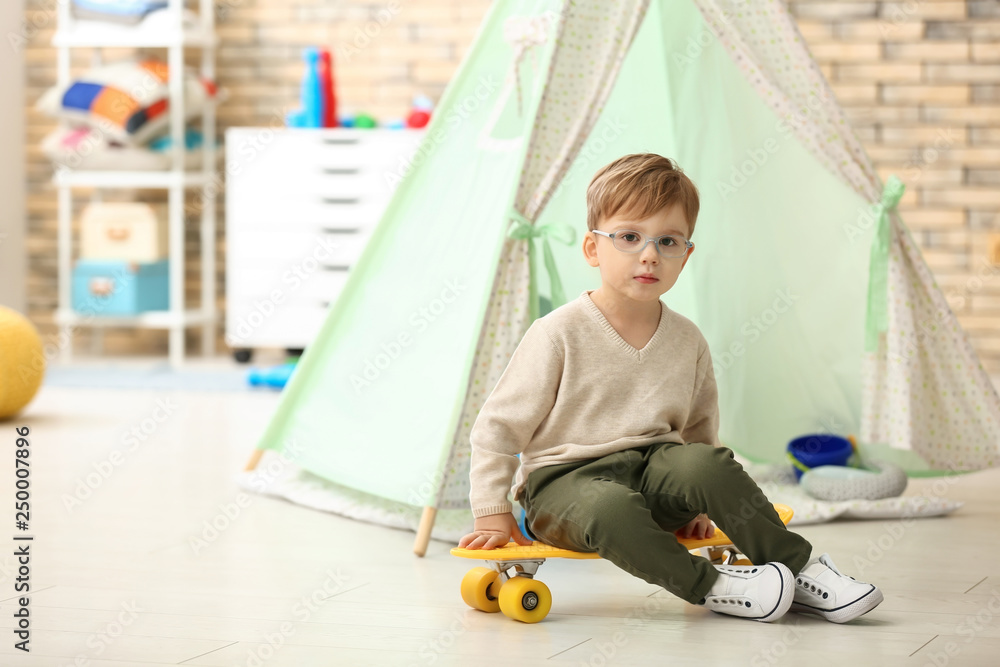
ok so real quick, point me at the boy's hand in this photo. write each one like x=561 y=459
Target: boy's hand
x=494 y=530
x=699 y=528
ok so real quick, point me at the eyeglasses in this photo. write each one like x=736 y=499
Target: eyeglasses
x=668 y=245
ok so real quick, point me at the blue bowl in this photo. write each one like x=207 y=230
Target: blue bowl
x=820 y=449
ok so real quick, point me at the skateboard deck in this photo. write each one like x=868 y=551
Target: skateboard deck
x=521 y=597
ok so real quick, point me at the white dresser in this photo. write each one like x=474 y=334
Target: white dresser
x=300 y=206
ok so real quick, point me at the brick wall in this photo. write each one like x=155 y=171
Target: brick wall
x=919 y=80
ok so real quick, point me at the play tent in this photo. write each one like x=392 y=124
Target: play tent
x=819 y=309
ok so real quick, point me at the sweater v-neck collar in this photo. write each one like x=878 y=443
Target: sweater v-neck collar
x=627 y=347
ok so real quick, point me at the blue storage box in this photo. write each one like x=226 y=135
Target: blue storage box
x=115 y=287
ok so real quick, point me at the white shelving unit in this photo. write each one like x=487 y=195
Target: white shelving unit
x=176 y=181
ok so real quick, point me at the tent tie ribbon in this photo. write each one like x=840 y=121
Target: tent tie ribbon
x=522 y=228
x=877 y=319
x=524 y=33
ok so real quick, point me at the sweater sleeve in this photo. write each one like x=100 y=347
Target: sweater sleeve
x=521 y=400
x=703 y=418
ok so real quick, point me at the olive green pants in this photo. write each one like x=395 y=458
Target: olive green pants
x=625 y=506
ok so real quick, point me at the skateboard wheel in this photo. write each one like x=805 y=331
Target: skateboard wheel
x=524 y=599
x=476 y=589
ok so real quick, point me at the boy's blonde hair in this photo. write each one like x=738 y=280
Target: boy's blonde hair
x=640 y=185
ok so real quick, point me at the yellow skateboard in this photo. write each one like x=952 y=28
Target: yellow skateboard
x=521 y=597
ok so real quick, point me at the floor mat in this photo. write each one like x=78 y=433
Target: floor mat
x=159 y=378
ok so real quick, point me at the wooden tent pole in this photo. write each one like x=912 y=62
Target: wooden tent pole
x=254 y=460
x=424 y=531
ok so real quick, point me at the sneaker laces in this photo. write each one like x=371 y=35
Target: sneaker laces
x=826 y=560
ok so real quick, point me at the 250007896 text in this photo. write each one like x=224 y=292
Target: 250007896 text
x=22 y=516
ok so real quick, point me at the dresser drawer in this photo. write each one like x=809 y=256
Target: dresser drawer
x=296 y=283
x=267 y=248
x=283 y=211
x=301 y=205
x=316 y=179
x=288 y=325
x=250 y=148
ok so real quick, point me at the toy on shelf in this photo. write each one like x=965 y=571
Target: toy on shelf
x=311 y=113
x=365 y=121
x=327 y=92
x=421 y=113
x=319 y=100
x=275 y=377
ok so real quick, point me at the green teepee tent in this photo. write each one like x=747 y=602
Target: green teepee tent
x=819 y=309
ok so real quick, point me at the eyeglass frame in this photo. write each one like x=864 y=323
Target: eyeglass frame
x=611 y=235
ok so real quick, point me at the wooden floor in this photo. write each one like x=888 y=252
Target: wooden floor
x=153 y=556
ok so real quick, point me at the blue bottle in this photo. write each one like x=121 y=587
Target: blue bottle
x=312 y=98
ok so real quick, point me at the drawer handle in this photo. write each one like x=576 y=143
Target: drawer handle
x=341 y=230
x=339 y=141
x=336 y=267
x=340 y=172
x=340 y=200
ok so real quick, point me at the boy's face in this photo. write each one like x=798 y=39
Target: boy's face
x=620 y=270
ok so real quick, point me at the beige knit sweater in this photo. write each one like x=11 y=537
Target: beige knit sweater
x=575 y=390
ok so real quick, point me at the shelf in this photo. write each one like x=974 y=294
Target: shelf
x=174 y=28
x=96 y=34
x=154 y=319
x=129 y=179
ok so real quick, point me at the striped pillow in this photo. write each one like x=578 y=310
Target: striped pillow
x=128 y=101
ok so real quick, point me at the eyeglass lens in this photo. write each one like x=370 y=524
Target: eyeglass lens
x=668 y=246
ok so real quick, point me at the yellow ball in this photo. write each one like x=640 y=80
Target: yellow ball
x=22 y=363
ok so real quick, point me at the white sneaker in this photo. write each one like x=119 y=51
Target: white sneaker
x=821 y=589
x=759 y=592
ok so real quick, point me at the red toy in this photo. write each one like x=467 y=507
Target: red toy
x=326 y=89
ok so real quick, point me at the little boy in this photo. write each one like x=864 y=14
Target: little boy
x=611 y=403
